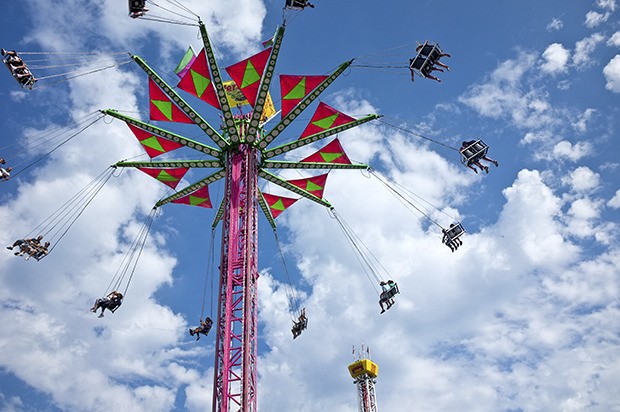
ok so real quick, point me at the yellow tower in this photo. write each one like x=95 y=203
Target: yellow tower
x=364 y=372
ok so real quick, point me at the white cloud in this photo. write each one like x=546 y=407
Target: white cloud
x=594 y=18
x=612 y=74
x=581 y=124
x=505 y=94
x=583 y=180
x=555 y=24
x=536 y=136
x=556 y=57
x=614 y=202
x=614 y=40
x=584 y=49
x=581 y=217
x=607 y=4
x=567 y=150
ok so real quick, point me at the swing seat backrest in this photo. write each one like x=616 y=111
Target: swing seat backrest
x=417 y=63
x=114 y=304
x=474 y=151
x=136 y=6
x=295 y=4
x=390 y=293
x=455 y=232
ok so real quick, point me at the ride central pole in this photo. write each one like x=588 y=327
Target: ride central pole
x=236 y=343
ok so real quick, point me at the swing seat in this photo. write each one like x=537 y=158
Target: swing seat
x=30 y=81
x=136 y=6
x=390 y=293
x=296 y=4
x=298 y=327
x=473 y=152
x=114 y=304
x=425 y=59
x=455 y=232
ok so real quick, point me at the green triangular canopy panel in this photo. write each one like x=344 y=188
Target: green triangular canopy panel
x=325 y=117
x=247 y=74
x=197 y=81
x=168 y=176
x=278 y=204
x=331 y=153
x=314 y=185
x=162 y=108
x=199 y=197
x=153 y=145
x=295 y=88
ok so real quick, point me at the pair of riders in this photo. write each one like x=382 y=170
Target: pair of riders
x=427 y=61
x=137 y=8
x=388 y=290
x=473 y=151
x=300 y=325
x=18 y=68
x=31 y=247
x=451 y=237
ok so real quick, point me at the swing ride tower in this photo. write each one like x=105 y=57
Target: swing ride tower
x=242 y=156
x=236 y=341
x=364 y=372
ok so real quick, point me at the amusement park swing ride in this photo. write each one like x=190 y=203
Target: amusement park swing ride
x=239 y=154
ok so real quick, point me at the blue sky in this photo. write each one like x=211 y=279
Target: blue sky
x=523 y=317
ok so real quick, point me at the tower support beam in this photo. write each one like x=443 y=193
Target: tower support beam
x=236 y=344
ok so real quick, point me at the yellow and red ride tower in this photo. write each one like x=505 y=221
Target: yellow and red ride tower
x=364 y=372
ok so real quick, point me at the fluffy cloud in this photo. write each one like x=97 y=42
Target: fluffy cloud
x=614 y=40
x=594 y=18
x=615 y=200
x=556 y=57
x=580 y=125
x=583 y=180
x=584 y=48
x=607 y=4
x=506 y=95
x=565 y=149
x=612 y=74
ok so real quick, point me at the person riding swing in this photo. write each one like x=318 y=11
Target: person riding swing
x=204 y=328
x=110 y=302
x=300 y=324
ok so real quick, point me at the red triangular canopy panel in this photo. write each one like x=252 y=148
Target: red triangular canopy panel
x=153 y=145
x=197 y=81
x=198 y=197
x=295 y=88
x=315 y=185
x=168 y=176
x=278 y=204
x=247 y=74
x=162 y=108
x=331 y=153
x=325 y=117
